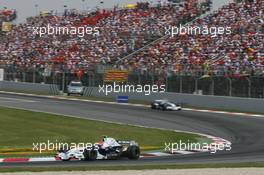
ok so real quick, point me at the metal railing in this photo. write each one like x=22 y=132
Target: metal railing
x=249 y=86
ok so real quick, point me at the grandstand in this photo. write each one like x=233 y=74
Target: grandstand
x=134 y=39
x=241 y=53
x=121 y=32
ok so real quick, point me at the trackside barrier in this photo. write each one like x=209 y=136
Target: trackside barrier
x=88 y=91
x=54 y=90
x=122 y=99
x=204 y=101
x=29 y=87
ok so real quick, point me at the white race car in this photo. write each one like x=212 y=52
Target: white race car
x=165 y=105
x=108 y=148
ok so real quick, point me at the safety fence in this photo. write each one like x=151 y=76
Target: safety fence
x=33 y=88
x=243 y=86
x=203 y=101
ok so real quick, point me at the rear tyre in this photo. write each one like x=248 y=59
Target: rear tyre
x=90 y=155
x=133 y=152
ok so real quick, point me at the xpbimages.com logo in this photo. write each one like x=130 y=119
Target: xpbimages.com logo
x=199 y=146
x=57 y=145
x=55 y=30
x=197 y=30
x=127 y=88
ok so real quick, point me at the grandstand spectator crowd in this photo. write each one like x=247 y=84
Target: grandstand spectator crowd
x=123 y=31
x=240 y=53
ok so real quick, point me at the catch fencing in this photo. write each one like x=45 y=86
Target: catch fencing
x=249 y=86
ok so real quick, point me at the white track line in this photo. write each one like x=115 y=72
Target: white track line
x=158 y=154
x=42 y=159
x=16 y=99
x=183 y=152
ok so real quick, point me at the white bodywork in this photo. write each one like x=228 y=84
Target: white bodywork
x=165 y=105
x=173 y=107
x=78 y=153
x=109 y=142
x=73 y=153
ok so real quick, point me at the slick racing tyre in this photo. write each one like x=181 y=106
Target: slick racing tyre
x=90 y=154
x=133 y=152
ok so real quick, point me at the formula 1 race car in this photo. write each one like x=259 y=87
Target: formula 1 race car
x=108 y=148
x=165 y=105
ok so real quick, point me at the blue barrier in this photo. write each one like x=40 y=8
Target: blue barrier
x=122 y=99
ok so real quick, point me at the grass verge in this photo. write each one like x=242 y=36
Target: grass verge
x=21 y=128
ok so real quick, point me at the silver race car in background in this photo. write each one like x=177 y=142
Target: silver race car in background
x=165 y=105
x=108 y=148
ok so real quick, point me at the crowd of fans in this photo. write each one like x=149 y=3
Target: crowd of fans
x=237 y=54
x=123 y=31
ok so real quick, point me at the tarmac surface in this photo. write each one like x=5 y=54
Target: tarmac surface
x=245 y=133
x=227 y=171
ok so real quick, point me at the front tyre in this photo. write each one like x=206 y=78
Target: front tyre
x=133 y=152
x=90 y=155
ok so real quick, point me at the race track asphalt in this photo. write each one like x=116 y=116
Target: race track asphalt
x=245 y=133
